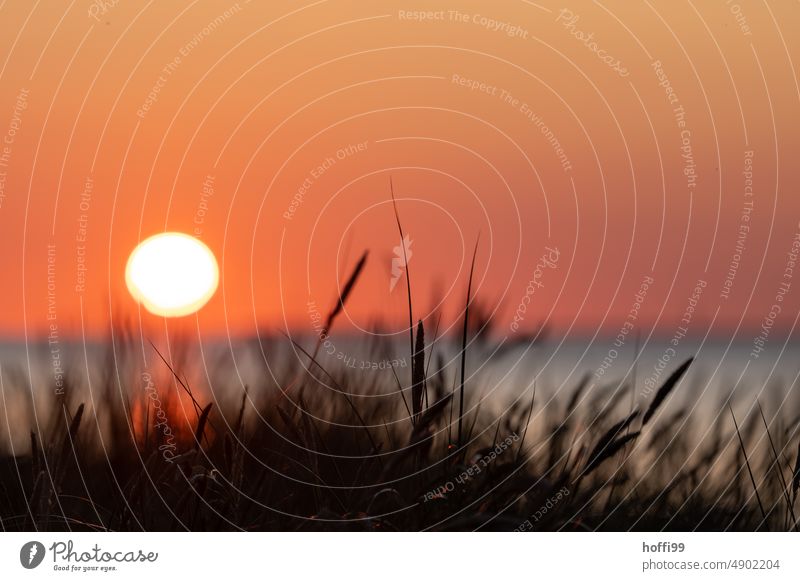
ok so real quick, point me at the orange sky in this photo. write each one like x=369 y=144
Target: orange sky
x=464 y=109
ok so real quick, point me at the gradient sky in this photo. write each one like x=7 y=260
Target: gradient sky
x=252 y=98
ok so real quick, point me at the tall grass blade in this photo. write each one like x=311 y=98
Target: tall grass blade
x=611 y=434
x=464 y=345
x=429 y=416
x=346 y=290
x=796 y=478
x=201 y=426
x=186 y=388
x=778 y=467
x=527 y=422
x=405 y=261
x=607 y=452
x=665 y=390
x=747 y=462
x=418 y=372
x=576 y=395
x=35 y=460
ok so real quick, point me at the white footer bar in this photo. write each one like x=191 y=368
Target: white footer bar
x=388 y=556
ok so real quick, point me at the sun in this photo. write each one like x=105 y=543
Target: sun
x=172 y=274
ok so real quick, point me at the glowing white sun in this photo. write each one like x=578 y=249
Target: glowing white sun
x=172 y=274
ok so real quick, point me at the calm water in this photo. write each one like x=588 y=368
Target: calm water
x=720 y=367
